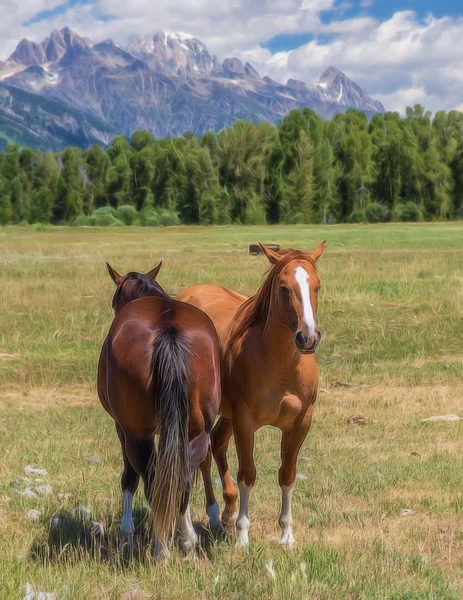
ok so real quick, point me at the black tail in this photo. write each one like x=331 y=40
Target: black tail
x=170 y=372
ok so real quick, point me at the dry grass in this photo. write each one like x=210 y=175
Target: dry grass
x=391 y=312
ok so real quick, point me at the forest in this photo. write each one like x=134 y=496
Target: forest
x=305 y=170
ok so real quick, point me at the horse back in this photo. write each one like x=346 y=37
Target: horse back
x=218 y=302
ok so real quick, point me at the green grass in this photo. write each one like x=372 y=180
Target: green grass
x=391 y=313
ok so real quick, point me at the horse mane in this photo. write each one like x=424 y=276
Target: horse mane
x=144 y=286
x=256 y=309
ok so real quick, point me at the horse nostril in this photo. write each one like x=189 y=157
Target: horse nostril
x=300 y=339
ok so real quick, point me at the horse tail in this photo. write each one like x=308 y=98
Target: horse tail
x=170 y=375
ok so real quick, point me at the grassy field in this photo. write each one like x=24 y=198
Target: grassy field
x=391 y=313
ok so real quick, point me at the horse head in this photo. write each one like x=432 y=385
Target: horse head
x=294 y=289
x=134 y=285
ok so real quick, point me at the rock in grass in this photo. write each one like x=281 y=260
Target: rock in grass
x=64 y=497
x=97 y=528
x=32 y=594
x=93 y=460
x=43 y=490
x=25 y=493
x=441 y=418
x=301 y=477
x=136 y=594
x=357 y=420
x=83 y=512
x=33 y=514
x=31 y=470
x=407 y=512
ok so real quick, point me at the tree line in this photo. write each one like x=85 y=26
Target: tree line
x=305 y=170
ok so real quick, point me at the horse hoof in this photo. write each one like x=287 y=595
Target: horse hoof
x=229 y=521
x=287 y=541
x=242 y=542
x=217 y=530
x=161 y=554
x=126 y=545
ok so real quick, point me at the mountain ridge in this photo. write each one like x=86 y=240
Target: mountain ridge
x=167 y=83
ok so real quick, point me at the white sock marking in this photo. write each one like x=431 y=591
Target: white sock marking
x=286 y=517
x=302 y=278
x=242 y=523
x=187 y=532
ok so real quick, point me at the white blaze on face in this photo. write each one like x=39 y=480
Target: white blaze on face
x=302 y=279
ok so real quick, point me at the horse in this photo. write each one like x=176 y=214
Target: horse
x=159 y=373
x=269 y=377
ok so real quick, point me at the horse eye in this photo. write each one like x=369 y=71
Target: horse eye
x=285 y=293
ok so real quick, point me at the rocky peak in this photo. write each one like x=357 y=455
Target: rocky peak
x=28 y=53
x=54 y=46
x=337 y=87
x=173 y=53
x=331 y=75
x=233 y=67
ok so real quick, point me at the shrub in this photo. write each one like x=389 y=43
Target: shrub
x=80 y=221
x=297 y=219
x=117 y=223
x=104 y=220
x=105 y=210
x=168 y=218
x=408 y=212
x=127 y=214
x=358 y=216
x=377 y=213
x=148 y=218
x=152 y=220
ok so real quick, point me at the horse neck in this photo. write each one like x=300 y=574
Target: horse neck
x=275 y=341
x=152 y=293
x=278 y=344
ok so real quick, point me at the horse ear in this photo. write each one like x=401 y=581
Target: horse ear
x=154 y=272
x=318 y=250
x=273 y=257
x=114 y=274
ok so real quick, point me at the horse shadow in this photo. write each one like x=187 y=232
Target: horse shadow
x=75 y=537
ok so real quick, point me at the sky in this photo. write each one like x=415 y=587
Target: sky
x=402 y=52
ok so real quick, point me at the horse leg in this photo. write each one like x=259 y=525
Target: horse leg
x=291 y=442
x=243 y=426
x=212 y=508
x=198 y=450
x=220 y=439
x=141 y=454
x=129 y=484
x=188 y=537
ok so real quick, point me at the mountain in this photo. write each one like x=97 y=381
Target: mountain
x=166 y=83
x=38 y=122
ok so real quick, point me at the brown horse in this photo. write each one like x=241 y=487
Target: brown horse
x=269 y=376
x=159 y=373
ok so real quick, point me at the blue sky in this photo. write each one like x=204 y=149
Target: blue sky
x=401 y=51
x=381 y=10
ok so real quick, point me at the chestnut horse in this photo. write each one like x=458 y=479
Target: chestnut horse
x=269 y=376
x=159 y=373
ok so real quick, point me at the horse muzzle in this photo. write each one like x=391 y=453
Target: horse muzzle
x=307 y=344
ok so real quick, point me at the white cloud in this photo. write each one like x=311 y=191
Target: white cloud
x=401 y=60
